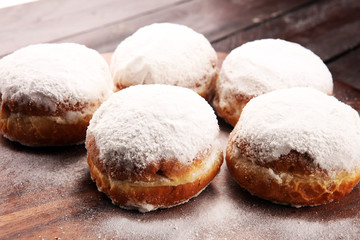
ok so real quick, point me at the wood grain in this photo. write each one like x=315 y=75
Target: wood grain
x=320 y=26
x=215 y=19
x=327 y=27
x=346 y=67
x=51 y=20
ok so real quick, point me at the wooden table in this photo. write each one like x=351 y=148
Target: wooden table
x=330 y=28
x=47 y=192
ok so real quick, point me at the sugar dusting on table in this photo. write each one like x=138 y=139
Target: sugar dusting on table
x=42 y=168
x=228 y=218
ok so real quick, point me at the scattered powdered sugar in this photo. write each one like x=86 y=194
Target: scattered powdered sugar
x=225 y=211
x=165 y=53
x=147 y=123
x=305 y=120
x=34 y=169
x=47 y=74
x=333 y=229
x=265 y=65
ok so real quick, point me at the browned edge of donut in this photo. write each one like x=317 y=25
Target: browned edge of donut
x=130 y=196
x=235 y=104
x=301 y=185
x=232 y=111
x=41 y=131
x=209 y=94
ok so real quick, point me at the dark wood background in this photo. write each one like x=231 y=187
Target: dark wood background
x=47 y=193
x=330 y=28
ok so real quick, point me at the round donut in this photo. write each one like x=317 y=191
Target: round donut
x=166 y=53
x=48 y=93
x=153 y=146
x=263 y=66
x=296 y=146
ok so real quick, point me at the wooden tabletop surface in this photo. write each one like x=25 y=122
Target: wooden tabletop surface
x=47 y=193
x=330 y=28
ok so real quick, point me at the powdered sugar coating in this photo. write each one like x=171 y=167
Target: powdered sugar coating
x=266 y=65
x=165 y=53
x=49 y=74
x=148 y=123
x=301 y=119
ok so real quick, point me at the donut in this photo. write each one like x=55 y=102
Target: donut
x=296 y=146
x=48 y=93
x=153 y=146
x=165 y=53
x=263 y=66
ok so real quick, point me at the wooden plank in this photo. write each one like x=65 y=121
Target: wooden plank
x=328 y=28
x=322 y=27
x=215 y=19
x=46 y=21
x=347 y=68
x=47 y=214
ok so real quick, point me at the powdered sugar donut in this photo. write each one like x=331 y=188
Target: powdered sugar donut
x=296 y=146
x=50 y=91
x=263 y=66
x=153 y=146
x=165 y=53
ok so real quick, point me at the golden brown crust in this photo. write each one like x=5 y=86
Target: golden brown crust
x=292 y=179
x=41 y=130
x=232 y=110
x=161 y=192
x=293 y=163
x=170 y=169
x=28 y=107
